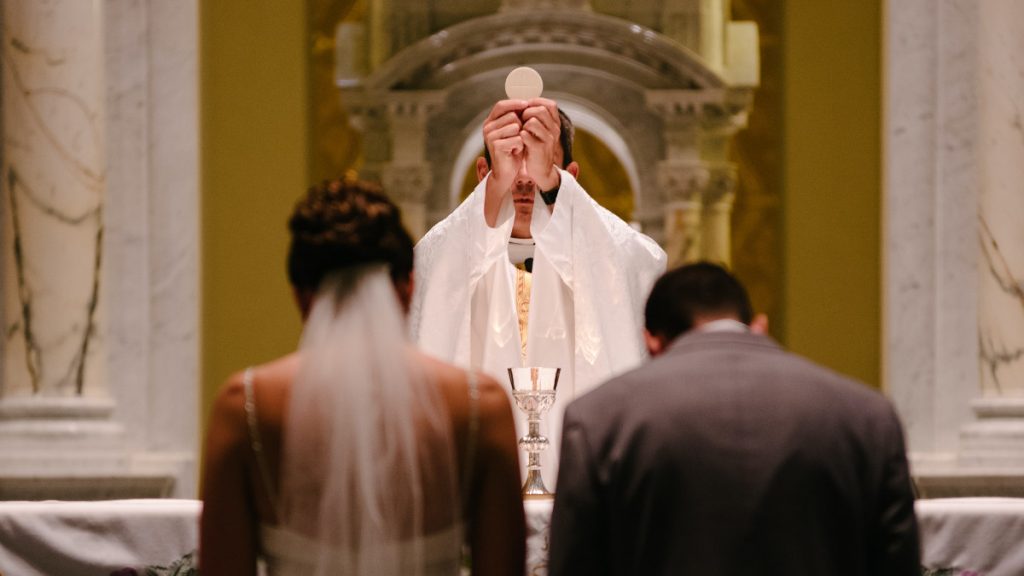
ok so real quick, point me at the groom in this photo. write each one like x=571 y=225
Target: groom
x=727 y=455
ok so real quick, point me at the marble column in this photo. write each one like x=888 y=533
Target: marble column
x=378 y=34
x=719 y=196
x=997 y=438
x=697 y=182
x=720 y=122
x=930 y=359
x=394 y=128
x=409 y=177
x=681 y=184
x=954 y=245
x=1001 y=198
x=700 y=26
x=368 y=115
x=351 y=55
x=54 y=180
x=681 y=176
x=99 y=386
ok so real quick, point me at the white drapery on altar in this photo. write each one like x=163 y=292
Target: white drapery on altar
x=982 y=535
x=53 y=537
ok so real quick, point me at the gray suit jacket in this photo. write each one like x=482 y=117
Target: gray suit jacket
x=728 y=456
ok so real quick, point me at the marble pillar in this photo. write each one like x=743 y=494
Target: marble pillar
x=719 y=197
x=394 y=128
x=696 y=180
x=700 y=26
x=681 y=185
x=408 y=184
x=378 y=36
x=952 y=176
x=99 y=386
x=1001 y=198
x=930 y=188
x=54 y=181
x=351 y=58
x=408 y=176
x=681 y=177
x=996 y=440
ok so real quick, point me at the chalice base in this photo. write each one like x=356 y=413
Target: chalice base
x=534 y=486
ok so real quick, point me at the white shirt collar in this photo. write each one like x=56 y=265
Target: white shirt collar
x=724 y=325
x=519 y=249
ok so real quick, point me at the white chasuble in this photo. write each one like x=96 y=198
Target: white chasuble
x=591 y=276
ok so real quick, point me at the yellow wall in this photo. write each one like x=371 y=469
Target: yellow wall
x=254 y=167
x=831 y=197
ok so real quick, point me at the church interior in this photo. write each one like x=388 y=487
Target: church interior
x=856 y=164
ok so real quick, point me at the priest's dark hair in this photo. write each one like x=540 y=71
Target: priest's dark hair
x=702 y=289
x=566 y=137
x=343 y=223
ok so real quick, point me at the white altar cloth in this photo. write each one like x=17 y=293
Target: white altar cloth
x=981 y=535
x=538 y=531
x=94 y=538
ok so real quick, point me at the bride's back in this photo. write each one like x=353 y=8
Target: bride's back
x=272 y=384
x=370 y=453
x=289 y=547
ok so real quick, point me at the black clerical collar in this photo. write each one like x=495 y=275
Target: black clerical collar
x=549 y=196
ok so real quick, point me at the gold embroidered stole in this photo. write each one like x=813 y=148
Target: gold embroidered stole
x=524 y=282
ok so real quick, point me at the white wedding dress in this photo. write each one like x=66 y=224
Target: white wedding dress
x=285 y=552
x=289 y=554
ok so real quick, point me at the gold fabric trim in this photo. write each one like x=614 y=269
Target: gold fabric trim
x=524 y=283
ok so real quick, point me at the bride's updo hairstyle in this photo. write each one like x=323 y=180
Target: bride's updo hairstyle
x=341 y=224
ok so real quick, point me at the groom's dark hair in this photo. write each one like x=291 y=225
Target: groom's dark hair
x=699 y=289
x=343 y=223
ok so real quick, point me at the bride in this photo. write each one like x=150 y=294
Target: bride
x=356 y=454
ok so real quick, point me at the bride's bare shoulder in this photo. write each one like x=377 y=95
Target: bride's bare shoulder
x=454 y=381
x=442 y=372
x=271 y=383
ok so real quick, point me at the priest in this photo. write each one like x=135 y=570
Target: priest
x=530 y=271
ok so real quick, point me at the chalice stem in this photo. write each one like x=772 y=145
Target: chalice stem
x=534 y=462
x=534 y=485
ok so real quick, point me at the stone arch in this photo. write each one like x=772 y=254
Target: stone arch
x=573 y=37
x=668 y=108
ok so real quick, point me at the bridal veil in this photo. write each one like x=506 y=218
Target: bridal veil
x=368 y=465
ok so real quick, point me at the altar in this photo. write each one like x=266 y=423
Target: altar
x=968 y=535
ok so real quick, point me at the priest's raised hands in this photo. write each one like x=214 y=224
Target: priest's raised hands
x=541 y=127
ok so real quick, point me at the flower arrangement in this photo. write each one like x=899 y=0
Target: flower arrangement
x=187 y=565
x=948 y=572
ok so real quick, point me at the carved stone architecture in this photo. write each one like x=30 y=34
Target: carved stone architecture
x=665 y=99
x=395 y=129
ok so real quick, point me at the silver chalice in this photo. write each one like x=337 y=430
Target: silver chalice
x=534 y=391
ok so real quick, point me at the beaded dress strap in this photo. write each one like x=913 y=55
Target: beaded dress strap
x=472 y=429
x=254 y=434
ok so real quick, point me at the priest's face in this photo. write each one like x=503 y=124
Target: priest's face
x=524 y=196
x=524 y=192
